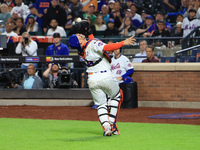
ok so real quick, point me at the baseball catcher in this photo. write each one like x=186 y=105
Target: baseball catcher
x=100 y=78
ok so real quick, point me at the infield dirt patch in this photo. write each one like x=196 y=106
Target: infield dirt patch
x=86 y=113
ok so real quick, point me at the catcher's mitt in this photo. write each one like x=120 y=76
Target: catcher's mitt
x=81 y=27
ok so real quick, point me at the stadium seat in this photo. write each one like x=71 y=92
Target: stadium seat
x=196 y=53
x=168 y=59
x=186 y=59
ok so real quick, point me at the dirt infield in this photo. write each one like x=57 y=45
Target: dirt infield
x=86 y=113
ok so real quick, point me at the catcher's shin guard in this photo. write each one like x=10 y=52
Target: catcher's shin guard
x=103 y=115
x=115 y=107
x=103 y=118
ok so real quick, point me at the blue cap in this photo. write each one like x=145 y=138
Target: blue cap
x=32 y=5
x=128 y=80
x=149 y=17
x=111 y=20
x=74 y=43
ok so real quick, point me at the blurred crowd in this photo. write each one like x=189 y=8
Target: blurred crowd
x=142 y=18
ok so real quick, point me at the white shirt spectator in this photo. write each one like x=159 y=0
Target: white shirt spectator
x=22 y=11
x=139 y=60
x=59 y=29
x=29 y=50
x=12 y=33
x=137 y=17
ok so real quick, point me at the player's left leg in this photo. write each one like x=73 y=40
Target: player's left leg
x=114 y=110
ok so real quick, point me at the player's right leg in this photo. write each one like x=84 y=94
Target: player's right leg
x=100 y=100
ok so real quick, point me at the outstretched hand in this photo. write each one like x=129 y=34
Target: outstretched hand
x=130 y=41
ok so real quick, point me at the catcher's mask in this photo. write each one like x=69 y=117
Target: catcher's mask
x=74 y=43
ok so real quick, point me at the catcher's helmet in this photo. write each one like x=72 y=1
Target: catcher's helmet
x=74 y=43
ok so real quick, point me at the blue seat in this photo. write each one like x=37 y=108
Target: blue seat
x=196 y=53
x=168 y=59
x=186 y=59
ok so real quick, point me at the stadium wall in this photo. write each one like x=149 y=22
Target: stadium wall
x=168 y=84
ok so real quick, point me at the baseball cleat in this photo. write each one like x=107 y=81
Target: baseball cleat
x=115 y=130
x=107 y=131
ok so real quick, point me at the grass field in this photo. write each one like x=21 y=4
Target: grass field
x=32 y=134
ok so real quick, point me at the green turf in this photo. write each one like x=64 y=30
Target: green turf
x=29 y=134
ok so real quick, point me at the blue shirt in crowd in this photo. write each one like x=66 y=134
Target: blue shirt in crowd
x=53 y=50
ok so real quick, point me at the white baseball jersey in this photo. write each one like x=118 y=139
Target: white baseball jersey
x=100 y=78
x=93 y=52
x=120 y=66
x=188 y=26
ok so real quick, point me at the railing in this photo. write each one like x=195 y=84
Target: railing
x=191 y=39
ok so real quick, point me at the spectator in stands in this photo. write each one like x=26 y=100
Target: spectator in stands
x=58 y=48
x=41 y=7
x=87 y=3
x=111 y=6
x=34 y=12
x=100 y=23
x=90 y=13
x=169 y=6
x=91 y=27
x=129 y=3
x=136 y=18
x=9 y=30
x=178 y=33
x=30 y=80
x=190 y=22
x=32 y=25
x=150 y=56
x=5 y=14
x=20 y=9
x=20 y=27
x=104 y=12
x=27 y=47
x=161 y=32
x=117 y=15
x=111 y=29
x=144 y=27
x=179 y=18
x=51 y=74
x=76 y=9
x=10 y=4
x=69 y=22
x=55 y=11
x=128 y=13
x=128 y=29
x=184 y=7
x=153 y=27
x=143 y=47
x=143 y=16
x=55 y=29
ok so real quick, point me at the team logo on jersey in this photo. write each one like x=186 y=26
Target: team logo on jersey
x=49 y=59
x=129 y=65
x=115 y=67
x=100 y=43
